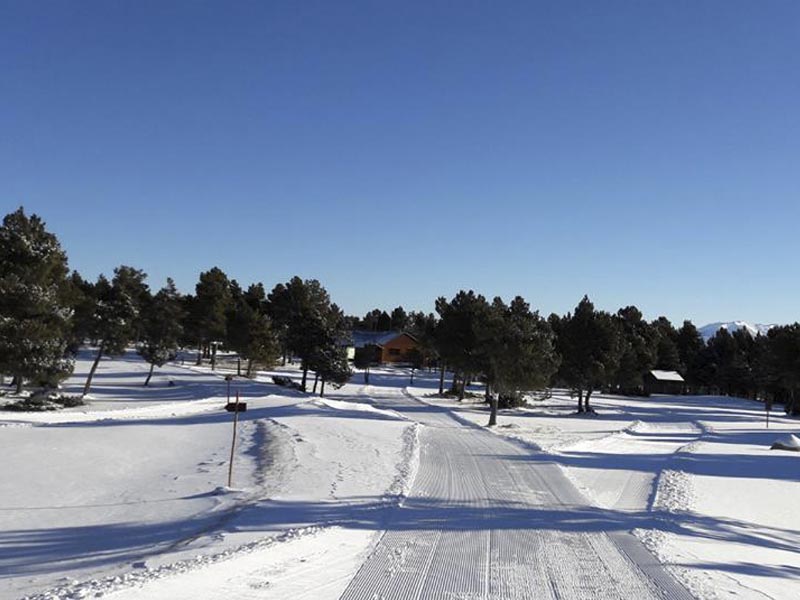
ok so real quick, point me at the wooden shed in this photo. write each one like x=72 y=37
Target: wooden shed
x=664 y=382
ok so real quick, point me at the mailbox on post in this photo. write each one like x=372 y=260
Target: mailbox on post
x=235 y=408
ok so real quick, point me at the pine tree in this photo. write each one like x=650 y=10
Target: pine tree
x=115 y=320
x=398 y=321
x=720 y=358
x=81 y=298
x=519 y=351
x=329 y=362
x=784 y=351
x=304 y=312
x=212 y=301
x=667 y=355
x=34 y=315
x=364 y=358
x=161 y=328
x=742 y=377
x=279 y=308
x=132 y=282
x=637 y=352
x=370 y=320
x=423 y=327
x=251 y=335
x=256 y=297
x=384 y=322
x=457 y=336
x=690 y=346
x=589 y=343
x=191 y=336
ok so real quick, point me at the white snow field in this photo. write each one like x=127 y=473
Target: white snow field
x=382 y=491
x=129 y=488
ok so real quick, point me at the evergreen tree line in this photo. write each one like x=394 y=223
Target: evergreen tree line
x=589 y=350
x=47 y=312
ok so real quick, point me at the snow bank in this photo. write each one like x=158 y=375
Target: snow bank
x=790 y=442
x=358 y=406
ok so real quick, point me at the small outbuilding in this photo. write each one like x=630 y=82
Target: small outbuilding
x=663 y=382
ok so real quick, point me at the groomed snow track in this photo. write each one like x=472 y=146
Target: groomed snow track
x=484 y=521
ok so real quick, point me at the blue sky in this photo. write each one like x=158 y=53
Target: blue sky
x=644 y=153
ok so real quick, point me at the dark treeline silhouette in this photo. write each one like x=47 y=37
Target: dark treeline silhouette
x=48 y=312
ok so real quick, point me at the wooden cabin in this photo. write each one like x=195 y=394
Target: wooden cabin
x=389 y=347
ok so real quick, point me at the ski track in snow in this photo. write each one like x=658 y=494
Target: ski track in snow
x=482 y=521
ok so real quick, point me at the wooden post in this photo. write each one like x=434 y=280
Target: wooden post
x=768 y=404
x=233 y=443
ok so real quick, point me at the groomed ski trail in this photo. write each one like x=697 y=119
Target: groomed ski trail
x=483 y=521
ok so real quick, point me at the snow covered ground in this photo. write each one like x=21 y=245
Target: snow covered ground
x=694 y=477
x=129 y=488
x=370 y=493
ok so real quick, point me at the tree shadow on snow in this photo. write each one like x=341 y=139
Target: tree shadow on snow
x=25 y=551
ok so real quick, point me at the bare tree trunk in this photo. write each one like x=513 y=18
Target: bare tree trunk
x=462 y=388
x=305 y=378
x=199 y=355
x=322 y=389
x=316 y=379
x=366 y=375
x=493 y=401
x=18 y=381
x=580 y=401
x=213 y=357
x=441 y=379
x=149 y=375
x=88 y=385
x=587 y=407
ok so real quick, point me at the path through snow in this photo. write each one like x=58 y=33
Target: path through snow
x=484 y=521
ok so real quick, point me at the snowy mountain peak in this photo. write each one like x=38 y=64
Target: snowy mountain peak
x=753 y=329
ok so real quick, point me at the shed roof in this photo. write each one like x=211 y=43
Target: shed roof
x=666 y=375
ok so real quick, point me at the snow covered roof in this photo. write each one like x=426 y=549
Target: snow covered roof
x=377 y=338
x=666 y=375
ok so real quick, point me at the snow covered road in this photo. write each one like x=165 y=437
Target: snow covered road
x=483 y=520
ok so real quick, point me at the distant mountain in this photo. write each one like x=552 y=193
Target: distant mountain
x=753 y=329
